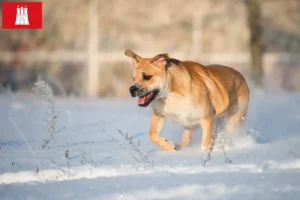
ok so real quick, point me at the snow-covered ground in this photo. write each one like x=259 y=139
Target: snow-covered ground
x=89 y=158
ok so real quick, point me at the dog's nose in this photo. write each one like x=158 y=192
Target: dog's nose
x=133 y=89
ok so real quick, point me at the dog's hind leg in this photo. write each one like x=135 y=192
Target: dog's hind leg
x=186 y=137
x=236 y=118
x=157 y=123
x=207 y=136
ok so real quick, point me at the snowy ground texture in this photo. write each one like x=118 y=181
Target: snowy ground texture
x=89 y=155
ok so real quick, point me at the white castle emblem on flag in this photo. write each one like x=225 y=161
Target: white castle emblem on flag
x=22 y=16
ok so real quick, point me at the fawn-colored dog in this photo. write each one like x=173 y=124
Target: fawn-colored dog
x=189 y=94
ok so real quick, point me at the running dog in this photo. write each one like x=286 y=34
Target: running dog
x=189 y=94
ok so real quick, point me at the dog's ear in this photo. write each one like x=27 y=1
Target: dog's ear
x=135 y=58
x=161 y=59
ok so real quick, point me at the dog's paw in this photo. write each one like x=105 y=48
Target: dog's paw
x=207 y=145
x=169 y=146
x=206 y=148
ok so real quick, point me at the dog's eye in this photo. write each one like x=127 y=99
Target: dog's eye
x=147 y=77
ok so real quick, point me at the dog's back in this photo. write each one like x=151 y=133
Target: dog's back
x=225 y=84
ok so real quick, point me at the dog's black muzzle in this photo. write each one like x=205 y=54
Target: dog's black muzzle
x=133 y=90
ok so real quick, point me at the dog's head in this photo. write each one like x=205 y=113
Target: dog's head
x=149 y=77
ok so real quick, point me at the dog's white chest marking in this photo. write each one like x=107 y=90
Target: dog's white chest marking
x=180 y=110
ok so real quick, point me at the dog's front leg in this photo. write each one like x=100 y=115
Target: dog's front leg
x=207 y=139
x=157 y=123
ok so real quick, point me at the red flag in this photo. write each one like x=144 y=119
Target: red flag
x=22 y=15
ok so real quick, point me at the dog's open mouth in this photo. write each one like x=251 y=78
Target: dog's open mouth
x=147 y=98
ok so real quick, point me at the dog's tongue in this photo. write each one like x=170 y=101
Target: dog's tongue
x=146 y=98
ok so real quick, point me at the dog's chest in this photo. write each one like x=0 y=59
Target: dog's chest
x=180 y=110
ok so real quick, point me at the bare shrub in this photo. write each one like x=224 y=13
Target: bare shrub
x=208 y=158
x=44 y=91
x=86 y=159
x=221 y=144
x=218 y=142
x=131 y=147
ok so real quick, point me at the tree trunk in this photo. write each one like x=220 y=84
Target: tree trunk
x=253 y=8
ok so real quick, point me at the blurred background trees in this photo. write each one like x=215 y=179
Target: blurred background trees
x=256 y=43
x=260 y=38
